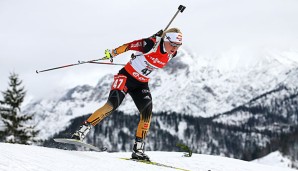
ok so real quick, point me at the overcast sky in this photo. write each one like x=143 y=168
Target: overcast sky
x=40 y=34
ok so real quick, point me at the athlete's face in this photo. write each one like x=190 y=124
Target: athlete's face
x=171 y=47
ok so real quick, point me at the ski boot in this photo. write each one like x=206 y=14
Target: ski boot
x=138 y=151
x=81 y=133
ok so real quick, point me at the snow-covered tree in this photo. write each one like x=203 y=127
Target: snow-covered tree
x=15 y=124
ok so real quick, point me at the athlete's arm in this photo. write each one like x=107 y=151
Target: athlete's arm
x=142 y=45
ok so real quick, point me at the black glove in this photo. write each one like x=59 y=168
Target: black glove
x=158 y=34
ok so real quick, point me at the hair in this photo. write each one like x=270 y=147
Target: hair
x=171 y=30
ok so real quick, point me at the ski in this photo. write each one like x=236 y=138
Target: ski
x=80 y=143
x=154 y=163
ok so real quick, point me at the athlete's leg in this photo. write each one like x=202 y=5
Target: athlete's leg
x=114 y=101
x=116 y=96
x=143 y=100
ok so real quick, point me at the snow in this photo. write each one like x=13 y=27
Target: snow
x=33 y=158
x=237 y=119
x=15 y=157
x=275 y=159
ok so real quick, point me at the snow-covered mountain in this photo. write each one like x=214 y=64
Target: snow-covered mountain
x=23 y=157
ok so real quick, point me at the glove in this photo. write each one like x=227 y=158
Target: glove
x=158 y=34
x=108 y=55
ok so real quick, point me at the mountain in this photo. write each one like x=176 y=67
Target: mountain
x=23 y=157
x=244 y=112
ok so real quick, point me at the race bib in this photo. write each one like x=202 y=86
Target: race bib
x=119 y=82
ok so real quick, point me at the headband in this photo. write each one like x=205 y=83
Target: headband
x=173 y=37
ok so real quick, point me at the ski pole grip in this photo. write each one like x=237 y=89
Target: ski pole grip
x=181 y=8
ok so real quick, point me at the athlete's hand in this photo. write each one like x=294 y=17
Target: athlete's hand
x=158 y=34
x=108 y=55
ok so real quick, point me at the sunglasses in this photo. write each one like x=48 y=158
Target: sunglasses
x=172 y=43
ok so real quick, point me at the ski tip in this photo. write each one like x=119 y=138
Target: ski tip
x=80 y=143
x=66 y=140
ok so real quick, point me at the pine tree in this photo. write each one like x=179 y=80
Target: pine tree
x=186 y=149
x=16 y=128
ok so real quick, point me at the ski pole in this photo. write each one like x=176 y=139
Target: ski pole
x=106 y=63
x=79 y=63
x=181 y=8
x=50 y=69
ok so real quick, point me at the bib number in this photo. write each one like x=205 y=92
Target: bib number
x=146 y=71
x=119 y=82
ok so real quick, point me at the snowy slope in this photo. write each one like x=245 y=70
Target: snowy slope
x=274 y=159
x=31 y=158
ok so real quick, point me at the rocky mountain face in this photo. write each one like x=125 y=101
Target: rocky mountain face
x=244 y=113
